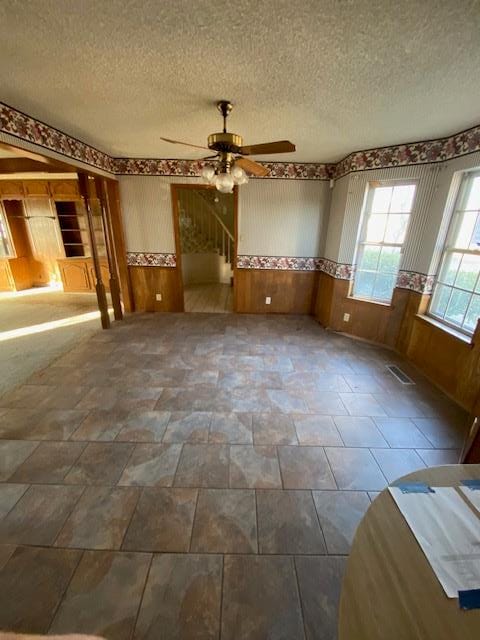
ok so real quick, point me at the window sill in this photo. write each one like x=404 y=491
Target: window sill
x=443 y=327
x=377 y=302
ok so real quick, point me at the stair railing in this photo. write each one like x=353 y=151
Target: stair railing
x=210 y=226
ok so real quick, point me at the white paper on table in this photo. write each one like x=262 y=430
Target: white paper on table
x=473 y=496
x=448 y=532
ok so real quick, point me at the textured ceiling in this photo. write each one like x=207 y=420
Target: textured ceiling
x=332 y=76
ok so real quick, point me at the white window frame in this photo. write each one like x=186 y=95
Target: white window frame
x=449 y=249
x=361 y=242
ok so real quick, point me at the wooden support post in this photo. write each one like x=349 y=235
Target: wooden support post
x=119 y=241
x=102 y=193
x=83 y=180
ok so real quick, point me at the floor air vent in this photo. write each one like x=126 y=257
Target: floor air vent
x=399 y=374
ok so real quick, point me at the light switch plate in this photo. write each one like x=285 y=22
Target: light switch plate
x=158 y=297
x=268 y=300
x=346 y=317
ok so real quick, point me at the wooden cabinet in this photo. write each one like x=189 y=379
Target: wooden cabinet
x=74 y=274
x=11 y=189
x=64 y=189
x=7 y=283
x=78 y=274
x=104 y=270
x=36 y=188
x=56 y=189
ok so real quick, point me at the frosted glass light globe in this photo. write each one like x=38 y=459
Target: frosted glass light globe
x=224 y=183
x=239 y=176
x=208 y=172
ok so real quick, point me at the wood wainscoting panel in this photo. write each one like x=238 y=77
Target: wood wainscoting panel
x=148 y=281
x=290 y=291
x=448 y=361
x=324 y=298
x=368 y=320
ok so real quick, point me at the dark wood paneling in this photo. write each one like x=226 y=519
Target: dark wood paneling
x=148 y=281
x=290 y=291
x=447 y=361
x=368 y=320
x=323 y=302
x=450 y=362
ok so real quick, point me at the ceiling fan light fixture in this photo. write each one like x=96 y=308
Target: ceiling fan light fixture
x=224 y=182
x=208 y=172
x=239 y=176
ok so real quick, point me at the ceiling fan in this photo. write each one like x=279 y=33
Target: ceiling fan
x=229 y=165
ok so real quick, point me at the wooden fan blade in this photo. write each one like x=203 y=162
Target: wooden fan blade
x=281 y=146
x=187 y=144
x=251 y=167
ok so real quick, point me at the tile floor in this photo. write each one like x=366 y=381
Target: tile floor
x=201 y=476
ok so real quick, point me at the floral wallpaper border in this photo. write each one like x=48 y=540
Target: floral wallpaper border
x=279 y=263
x=411 y=280
x=193 y=168
x=289 y=263
x=338 y=270
x=429 y=151
x=418 y=282
x=141 y=259
x=29 y=129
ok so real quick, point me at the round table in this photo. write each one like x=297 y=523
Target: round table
x=389 y=591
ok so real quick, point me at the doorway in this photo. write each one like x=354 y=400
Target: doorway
x=205 y=222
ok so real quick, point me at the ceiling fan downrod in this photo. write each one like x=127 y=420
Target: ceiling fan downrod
x=225 y=107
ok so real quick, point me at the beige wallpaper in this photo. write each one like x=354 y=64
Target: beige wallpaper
x=283 y=217
x=147 y=212
x=276 y=217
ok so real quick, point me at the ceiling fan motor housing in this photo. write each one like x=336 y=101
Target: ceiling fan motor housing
x=230 y=142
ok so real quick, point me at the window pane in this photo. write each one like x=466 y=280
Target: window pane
x=440 y=299
x=463 y=235
x=450 y=266
x=5 y=246
x=389 y=260
x=376 y=227
x=473 y=314
x=364 y=282
x=397 y=228
x=457 y=306
x=475 y=239
x=381 y=199
x=369 y=259
x=402 y=198
x=473 y=201
x=384 y=285
x=468 y=272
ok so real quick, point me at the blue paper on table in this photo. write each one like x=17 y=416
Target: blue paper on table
x=469 y=599
x=471 y=484
x=414 y=487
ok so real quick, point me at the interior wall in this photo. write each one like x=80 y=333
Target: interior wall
x=147 y=212
x=450 y=361
x=275 y=218
x=336 y=218
x=283 y=217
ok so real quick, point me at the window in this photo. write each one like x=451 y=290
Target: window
x=6 y=246
x=456 y=295
x=385 y=221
